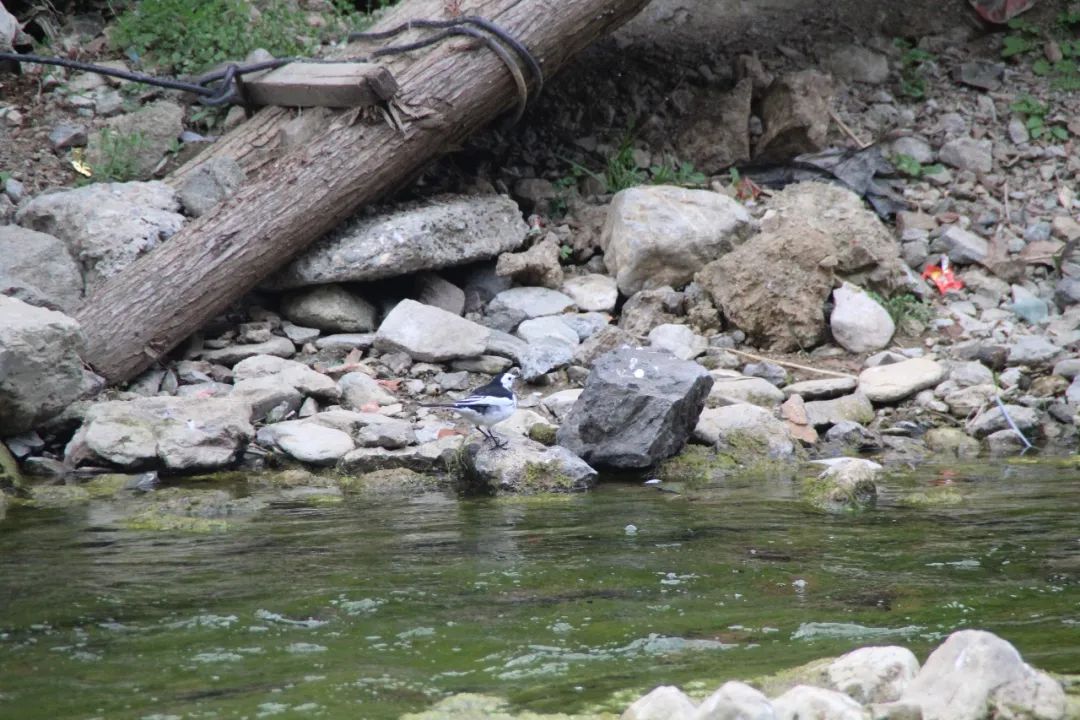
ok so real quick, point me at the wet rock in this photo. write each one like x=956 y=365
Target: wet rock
x=823 y=389
x=735 y=701
x=181 y=434
x=662 y=703
x=210 y=183
x=679 y=340
x=359 y=391
x=795 y=112
x=40 y=369
x=638 y=407
x=891 y=383
x=106 y=226
x=803 y=701
x=146 y=135
x=438 y=292
x=746 y=432
x=993 y=420
x=855 y=408
x=423 y=236
x=526 y=466
x=278 y=346
x=485 y=364
x=385 y=432
x=650 y=308
x=430 y=334
x=808 y=248
x=1032 y=350
x=858 y=64
x=965 y=153
x=539 y=265
x=858 y=322
x=288 y=372
x=421 y=458
x=873 y=674
x=266 y=394
x=307 y=442
x=531 y=301
x=592 y=292
x=951 y=441
x=714 y=131
x=731 y=388
x=329 y=307
x=975 y=674
x=38 y=265
x=661 y=235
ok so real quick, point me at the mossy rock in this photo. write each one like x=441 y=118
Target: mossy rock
x=99 y=487
x=543 y=433
x=11 y=480
x=545 y=478
x=389 y=482
x=696 y=465
x=849 y=490
x=812 y=673
x=933 y=497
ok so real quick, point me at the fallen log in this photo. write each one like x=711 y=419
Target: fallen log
x=291 y=198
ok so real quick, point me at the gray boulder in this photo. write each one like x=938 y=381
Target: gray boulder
x=329 y=307
x=731 y=388
x=277 y=346
x=440 y=233
x=38 y=269
x=975 y=674
x=638 y=407
x=171 y=433
x=746 y=432
x=210 y=183
x=40 y=370
x=543 y=356
x=307 y=441
x=106 y=226
x=873 y=674
x=525 y=466
x=661 y=235
x=430 y=334
x=679 y=340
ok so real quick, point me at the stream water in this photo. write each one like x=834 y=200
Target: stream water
x=383 y=605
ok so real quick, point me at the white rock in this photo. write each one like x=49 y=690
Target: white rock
x=308 y=442
x=966 y=374
x=889 y=383
x=858 y=322
x=735 y=701
x=661 y=235
x=359 y=390
x=548 y=327
x=329 y=307
x=803 y=702
x=873 y=674
x=972 y=676
x=663 y=703
x=430 y=334
x=532 y=301
x=592 y=292
x=279 y=346
x=679 y=340
x=731 y=387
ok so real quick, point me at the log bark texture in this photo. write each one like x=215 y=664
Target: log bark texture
x=299 y=189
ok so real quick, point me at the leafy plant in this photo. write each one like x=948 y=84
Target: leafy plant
x=1022 y=39
x=903 y=307
x=913 y=70
x=1035 y=119
x=682 y=173
x=189 y=37
x=911 y=167
x=622 y=171
x=119 y=156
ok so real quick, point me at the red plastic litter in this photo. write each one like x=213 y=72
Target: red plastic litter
x=943 y=277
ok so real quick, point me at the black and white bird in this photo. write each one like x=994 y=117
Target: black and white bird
x=487 y=405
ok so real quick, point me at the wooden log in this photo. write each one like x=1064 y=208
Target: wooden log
x=447 y=93
x=334 y=85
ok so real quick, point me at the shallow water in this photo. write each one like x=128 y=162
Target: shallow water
x=379 y=606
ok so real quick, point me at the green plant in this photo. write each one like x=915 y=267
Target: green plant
x=1035 y=121
x=622 y=171
x=118 y=156
x=676 y=174
x=911 y=167
x=1022 y=38
x=189 y=37
x=912 y=69
x=1025 y=38
x=904 y=306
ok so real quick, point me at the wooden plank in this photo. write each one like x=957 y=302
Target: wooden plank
x=335 y=85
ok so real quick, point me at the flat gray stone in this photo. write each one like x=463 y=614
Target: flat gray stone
x=1032 y=350
x=854 y=408
x=531 y=301
x=743 y=426
x=38 y=266
x=307 y=442
x=890 y=383
x=679 y=340
x=329 y=307
x=731 y=388
x=430 y=334
x=279 y=346
x=549 y=327
x=962 y=246
x=823 y=389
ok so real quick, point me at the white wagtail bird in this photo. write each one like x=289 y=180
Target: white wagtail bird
x=487 y=405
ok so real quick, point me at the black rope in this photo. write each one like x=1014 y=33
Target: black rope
x=225 y=86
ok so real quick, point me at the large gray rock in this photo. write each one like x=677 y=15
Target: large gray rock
x=731 y=388
x=747 y=432
x=440 y=233
x=661 y=235
x=164 y=432
x=994 y=420
x=144 y=135
x=290 y=373
x=307 y=442
x=795 y=112
x=543 y=356
x=858 y=322
x=40 y=369
x=430 y=334
x=873 y=674
x=38 y=268
x=106 y=226
x=890 y=383
x=638 y=407
x=329 y=307
x=526 y=466
x=774 y=286
x=855 y=407
x=975 y=674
